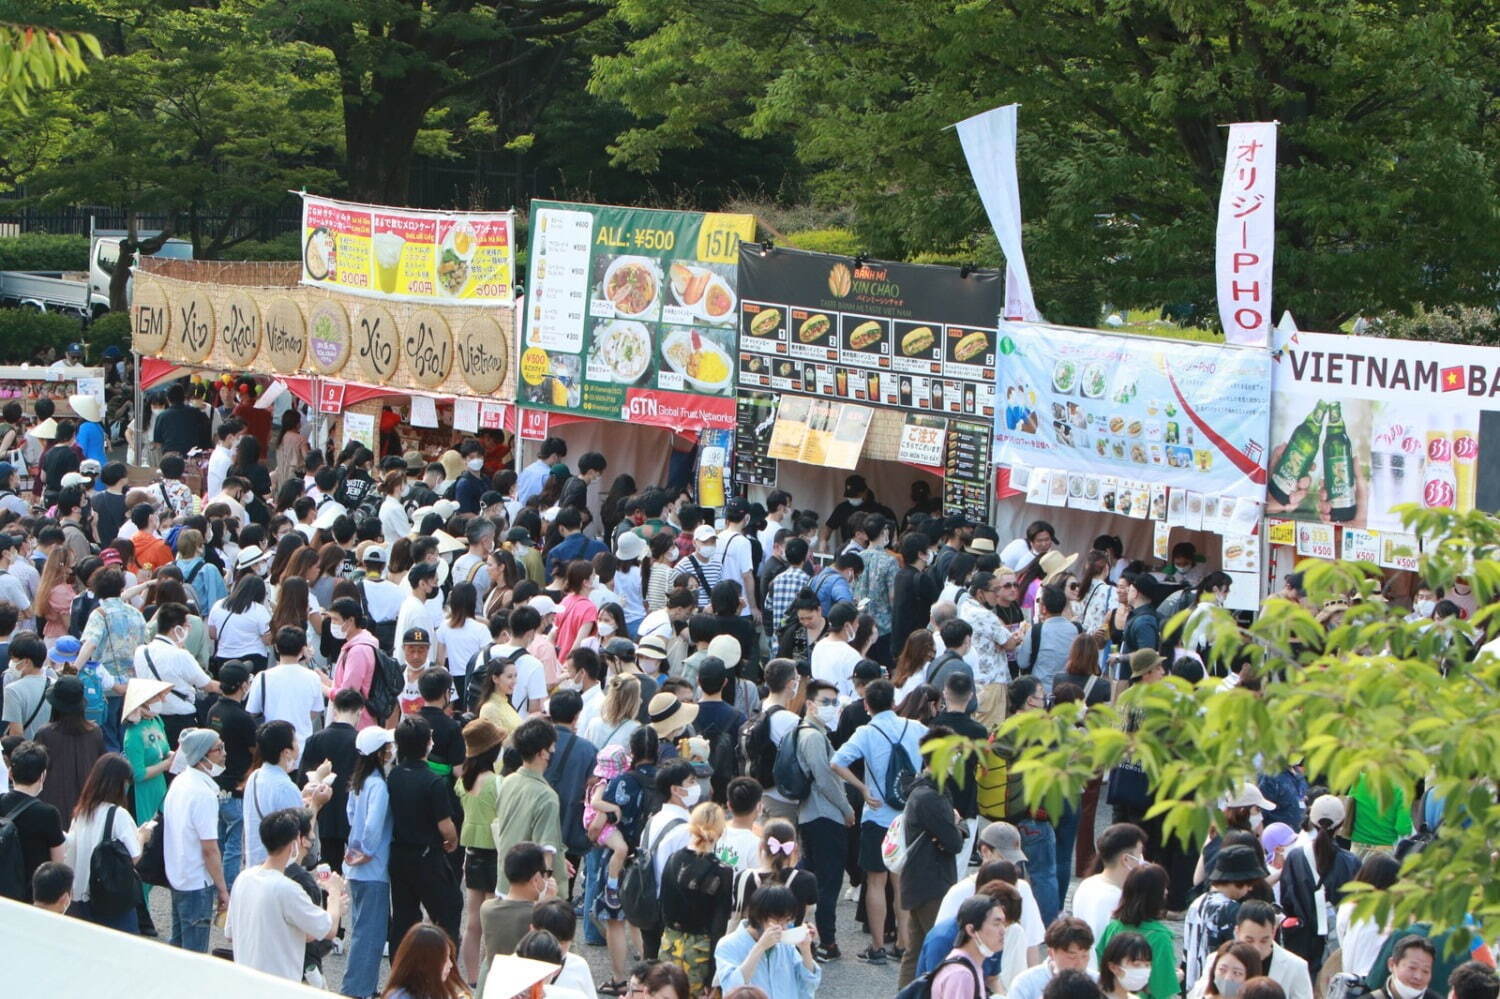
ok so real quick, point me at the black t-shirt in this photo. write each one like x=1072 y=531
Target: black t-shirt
x=181 y=428
x=109 y=514
x=237 y=729
x=335 y=744
x=803 y=885
x=912 y=596
x=41 y=829
x=59 y=460
x=718 y=716
x=419 y=801
x=966 y=798
x=839 y=518
x=447 y=737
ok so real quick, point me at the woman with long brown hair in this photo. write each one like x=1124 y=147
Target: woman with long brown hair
x=576 y=618
x=477 y=790
x=294 y=608
x=108 y=789
x=54 y=595
x=1095 y=592
x=286 y=547
x=912 y=663
x=399 y=562
x=505 y=574
x=330 y=571
x=424 y=967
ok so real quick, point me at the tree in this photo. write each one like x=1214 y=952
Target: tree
x=198 y=116
x=1388 y=149
x=399 y=61
x=1369 y=694
x=39 y=58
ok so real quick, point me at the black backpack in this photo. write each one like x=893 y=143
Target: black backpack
x=899 y=772
x=793 y=781
x=476 y=669
x=12 y=857
x=386 y=684
x=921 y=986
x=114 y=886
x=700 y=881
x=757 y=748
x=723 y=759
x=640 y=899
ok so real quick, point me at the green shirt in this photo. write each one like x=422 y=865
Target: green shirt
x=526 y=810
x=1375 y=825
x=1164 y=983
x=145 y=745
x=479 y=811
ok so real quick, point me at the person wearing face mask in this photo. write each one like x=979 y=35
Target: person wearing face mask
x=1244 y=810
x=667 y=831
x=355 y=667
x=767 y=952
x=1227 y=971
x=1124 y=966
x=825 y=816
x=165 y=658
x=1410 y=971
x=858 y=497
x=934 y=836
x=1423 y=601
x=833 y=657
x=913 y=590
x=367 y=857
x=190 y=840
x=236 y=728
x=145 y=744
x=1210 y=919
x=526 y=806
x=518 y=542
x=1143 y=904
x=981 y=935
x=270 y=789
x=472 y=484
x=1256 y=924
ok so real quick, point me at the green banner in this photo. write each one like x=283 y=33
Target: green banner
x=632 y=314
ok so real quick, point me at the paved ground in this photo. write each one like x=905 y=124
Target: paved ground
x=844 y=978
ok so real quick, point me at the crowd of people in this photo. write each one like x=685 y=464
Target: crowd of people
x=438 y=713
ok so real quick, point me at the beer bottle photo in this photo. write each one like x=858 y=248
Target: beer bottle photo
x=1297 y=457
x=1338 y=468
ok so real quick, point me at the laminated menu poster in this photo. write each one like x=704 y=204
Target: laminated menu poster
x=819 y=432
x=916 y=337
x=968 y=485
x=1178 y=413
x=755 y=419
x=631 y=314
x=449 y=258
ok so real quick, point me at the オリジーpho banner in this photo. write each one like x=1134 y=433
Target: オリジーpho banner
x=1183 y=414
x=1362 y=425
x=447 y=258
x=631 y=314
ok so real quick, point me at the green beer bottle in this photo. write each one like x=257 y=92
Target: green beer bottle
x=1338 y=467
x=1298 y=455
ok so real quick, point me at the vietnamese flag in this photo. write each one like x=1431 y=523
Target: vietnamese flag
x=1453 y=378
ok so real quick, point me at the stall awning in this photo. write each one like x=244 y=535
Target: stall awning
x=154 y=371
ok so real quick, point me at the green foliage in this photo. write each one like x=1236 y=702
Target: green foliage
x=1367 y=694
x=1386 y=180
x=110 y=330
x=287 y=246
x=24 y=331
x=840 y=241
x=35 y=251
x=1477 y=325
x=38 y=58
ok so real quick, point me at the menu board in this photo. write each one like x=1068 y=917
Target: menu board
x=465 y=258
x=819 y=432
x=755 y=417
x=916 y=337
x=1179 y=413
x=631 y=314
x=967 y=484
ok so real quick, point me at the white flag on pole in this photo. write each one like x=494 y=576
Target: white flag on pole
x=989 y=142
x=1247 y=233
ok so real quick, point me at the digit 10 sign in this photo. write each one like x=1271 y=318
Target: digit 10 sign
x=533 y=425
x=331 y=398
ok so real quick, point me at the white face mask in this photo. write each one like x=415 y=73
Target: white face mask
x=215 y=769
x=475 y=464
x=828 y=714
x=1228 y=987
x=1424 y=607
x=1257 y=820
x=857 y=501
x=984 y=951
x=180 y=635
x=1135 y=979
x=606 y=628
x=1401 y=989
x=337 y=631
x=691 y=794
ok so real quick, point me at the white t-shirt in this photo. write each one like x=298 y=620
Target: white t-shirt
x=176 y=666
x=219 y=462
x=593 y=699
x=287 y=692
x=239 y=633
x=833 y=662
x=462 y=643
x=1094 y=901
x=531 y=677
x=734 y=562
x=1031 y=914
x=189 y=815
x=271 y=919
x=383 y=597
x=416 y=613
x=656 y=623
x=86 y=833
x=780 y=724
x=577 y=976
x=739 y=848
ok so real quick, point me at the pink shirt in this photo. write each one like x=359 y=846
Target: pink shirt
x=356 y=668
x=576 y=612
x=956 y=982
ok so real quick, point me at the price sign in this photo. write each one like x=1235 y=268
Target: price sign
x=1315 y=541
x=1359 y=546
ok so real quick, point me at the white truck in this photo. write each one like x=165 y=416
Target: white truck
x=76 y=292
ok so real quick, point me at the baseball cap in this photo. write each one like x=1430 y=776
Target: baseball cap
x=867 y=669
x=620 y=648
x=1326 y=809
x=704 y=532
x=372 y=739
x=491 y=497
x=89 y=467
x=416 y=636
x=75 y=348
x=736 y=509
x=1005 y=840
x=373 y=552
x=6 y=470
x=518 y=534
x=74 y=479
x=854 y=485
x=542 y=604
x=1249 y=795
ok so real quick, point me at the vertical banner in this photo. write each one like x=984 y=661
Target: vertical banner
x=1247 y=233
x=989 y=142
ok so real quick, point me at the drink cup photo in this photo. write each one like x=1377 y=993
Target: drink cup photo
x=388 y=247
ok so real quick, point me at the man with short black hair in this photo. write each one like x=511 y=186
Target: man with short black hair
x=1256 y=924
x=529 y=877
x=591 y=465
x=666 y=832
x=422 y=834
x=26 y=709
x=52 y=887
x=291 y=690
x=1070 y=945
x=446 y=757
x=736 y=555
x=38 y=825
x=512 y=637
x=782 y=590
x=553 y=450
x=778 y=512
x=335 y=744
x=473 y=565
x=180 y=428
x=109 y=503
x=957 y=636
x=271 y=918
x=1044 y=652
x=825 y=816
x=416 y=610
x=1472 y=980
x=955 y=713
x=1121 y=850
x=568 y=771
x=574 y=544
x=834 y=656
x=222 y=457
x=164 y=658
x=1409 y=971
x=526 y=806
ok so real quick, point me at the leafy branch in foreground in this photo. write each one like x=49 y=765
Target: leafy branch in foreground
x=35 y=58
x=1369 y=694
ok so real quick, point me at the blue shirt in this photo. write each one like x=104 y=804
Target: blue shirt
x=575 y=546
x=208 y=585
x=831 y=587
x=531 y=480
x=780 y=972
x=267 y=790
x=938 y=944
x=370 y=830
x=90 y=440
x=874 y=748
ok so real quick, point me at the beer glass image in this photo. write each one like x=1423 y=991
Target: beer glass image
x=388 y=246
x=1396 y=449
